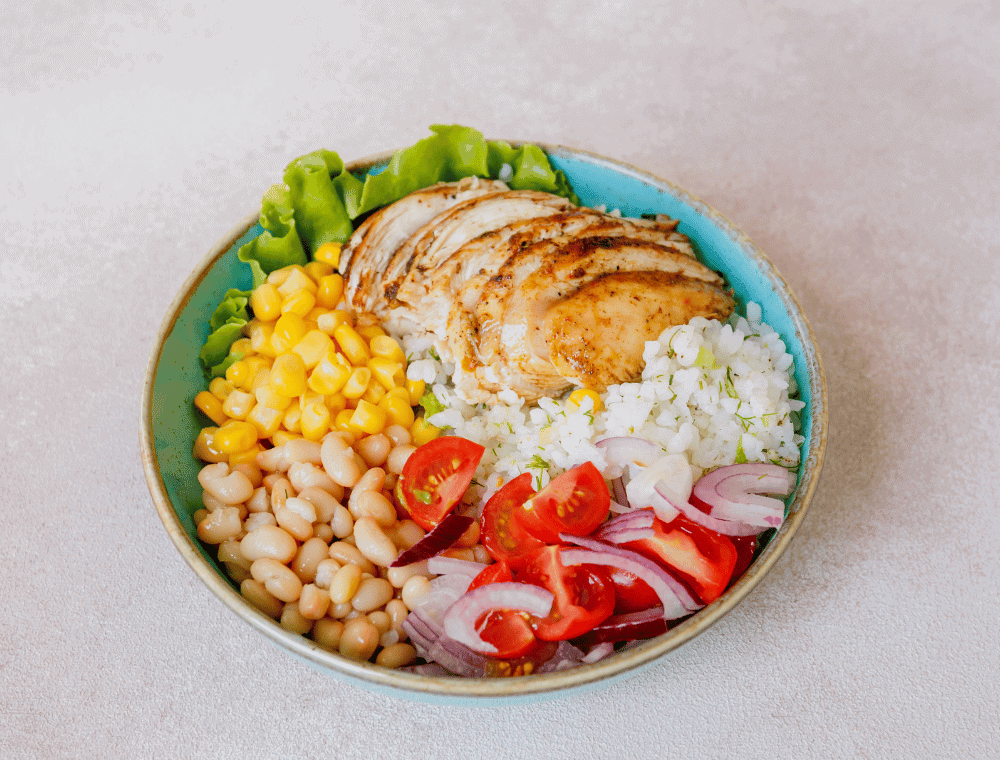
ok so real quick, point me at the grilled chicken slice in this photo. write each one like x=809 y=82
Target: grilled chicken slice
x=505 y=345
x=373 y=244
x=595 y=337
x=406 y=278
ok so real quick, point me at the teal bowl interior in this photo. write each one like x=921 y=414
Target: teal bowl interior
x=169 y=425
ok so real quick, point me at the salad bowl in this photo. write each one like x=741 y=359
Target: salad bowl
x=169 y=425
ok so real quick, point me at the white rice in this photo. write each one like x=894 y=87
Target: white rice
x=716 y=392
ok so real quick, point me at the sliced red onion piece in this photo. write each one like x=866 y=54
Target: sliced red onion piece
x=691 y=512
x=428 y=669
x=732 y=493
x=461 y=618
x=644 y=624
x=440 y=538
x=624 y=536
x=565 y=656
x=622 y=451
x=618 y=490
x=599 y=652
x=634 y=518
x=458 y=658
x=444 y=591
x=452 y=566
x=677 y=600
x=422 y=635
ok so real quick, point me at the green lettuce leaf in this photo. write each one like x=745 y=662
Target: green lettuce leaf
x=226 y=325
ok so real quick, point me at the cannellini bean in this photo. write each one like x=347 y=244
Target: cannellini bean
x=211 y=503
x=340 y=611
x=389 y=638
x=324 y=531
x=398 y=435
x=277 y=578
x=346 y=553
x=231 y=554
x=414 y=590
x=257 y=519
x=481 y=554
x=327 y=632
x=359 y=639
x=314 y=602
x=342 y=469
x=228 y=487
x=272 y=460
x=310 y=554
x=254 y=592
x=301 y=450
x=372 y=593
x=297 y=525
x=397 y=612
x=345 y=583
x=397 y=458
x=342 y=522
x=199 y=516
x=268 y=542
x=398 y=576
x=260 y=501
x=374 y=449
x=374 y=504
x=252 y=471
x=396 y=655
x=270 y=479
x=220 y=525
x=302 y=507
x=405 y=533
x=307 y=475
x=470 y=538
x=372 y=480
x=293 y=620
x=373 y=543
x=280 y=492
x=381 y=620
x=324 y=502
x=467 y=554
x=325 y=571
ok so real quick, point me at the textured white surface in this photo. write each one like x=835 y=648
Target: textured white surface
x=855 y=142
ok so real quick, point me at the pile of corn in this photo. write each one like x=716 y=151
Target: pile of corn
x=306 y=368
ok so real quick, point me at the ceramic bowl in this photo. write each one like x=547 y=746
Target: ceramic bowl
x=169 y=425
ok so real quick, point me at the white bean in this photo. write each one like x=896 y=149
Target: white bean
x=373 y=543
x=307 y=475
x=228 y=487
x=277 y=579
x=270 y=542
x=220 y=525
x=324 y=502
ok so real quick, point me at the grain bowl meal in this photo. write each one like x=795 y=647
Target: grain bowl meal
x=465 y=426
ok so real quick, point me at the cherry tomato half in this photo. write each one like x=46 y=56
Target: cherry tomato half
x=575 y=502
x=508 y=631
x=584 y=595
x=631 y=594
x=498 y=572
x=435 y=477
x=502 y=534
x=697 y=555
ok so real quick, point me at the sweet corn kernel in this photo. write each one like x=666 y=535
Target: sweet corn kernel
x=203 y=448
x=238 y=405
x=315 y=421
x=357 y=383
x=288 y=330
x=370 y=331
x=388 y=372
x=416 y=390
x=422 y=432
x=330 y=290
x=335 y=402
x=234 y=437
x=328 y=253
x=292 y=421
x=265 y=395
x=329 y=376
x=288 y=375
x=313 y=347
x=577 y=397
x=239 y=375
x=343 y=420
x=278 y=276
x=256 y=363
x=355 y=347
x=246 y=457
x=386 y=347
x=374 y=394
x=260 y=337
x=369 y=418
x=397 y=409
x=330 y=321
x=315 y=314
x=300 y=302
x=265 y=419
x=283 y=436
x=242 y=347
x=220 y=388
x=211 y=407
x=297 y=280
x=265 y=300
x=319 y=269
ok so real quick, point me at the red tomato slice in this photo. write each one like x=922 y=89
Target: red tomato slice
x=575 y=502
x=435 y=477
x=631 y=594
x=502 y=534
x=508 y=631
x=701 y=557
x=498 y=572
x=584 y=595
x=745 y=548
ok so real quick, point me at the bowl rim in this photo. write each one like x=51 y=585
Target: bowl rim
x=490 y=690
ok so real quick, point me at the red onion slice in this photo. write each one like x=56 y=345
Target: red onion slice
x=732 y=493
x=677 y=600
x=622 y=451
x=644 y=624
x=460 y=619
x=440 y=538
x=599 y=652
x=452 y=566
x=618 y=491
x=631 y=526
x=691 y=512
